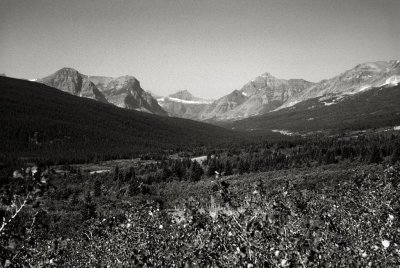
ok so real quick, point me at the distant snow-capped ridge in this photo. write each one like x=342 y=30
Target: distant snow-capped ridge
x=184 y=101
x=362 y=77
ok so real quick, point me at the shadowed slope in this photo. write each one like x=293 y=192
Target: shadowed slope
x=42 y=121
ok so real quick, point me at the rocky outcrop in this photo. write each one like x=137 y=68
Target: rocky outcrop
x=73 y=82
x=124 y=91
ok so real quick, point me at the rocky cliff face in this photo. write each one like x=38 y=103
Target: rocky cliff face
x=73 y=82
x=124 y=91
x=263 y=94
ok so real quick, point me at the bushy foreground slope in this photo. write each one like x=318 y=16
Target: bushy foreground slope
x=284 y=223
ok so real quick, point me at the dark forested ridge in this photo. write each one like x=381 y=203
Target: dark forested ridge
x=38 y=120
x=378 y=107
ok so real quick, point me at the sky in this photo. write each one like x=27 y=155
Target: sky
x=207 y=47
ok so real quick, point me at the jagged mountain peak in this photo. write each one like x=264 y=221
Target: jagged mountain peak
x=123 y=91
x=70 y=80
x=126 y=78
x=68 y=69
x=183 y=95
x=268 y=75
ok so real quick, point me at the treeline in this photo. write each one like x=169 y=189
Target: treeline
x=306 y=153
x=269 y=156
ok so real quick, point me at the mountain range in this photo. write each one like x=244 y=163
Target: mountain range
x=378 y=107
x=264 y=94
x=362 y=77
x=267 y=94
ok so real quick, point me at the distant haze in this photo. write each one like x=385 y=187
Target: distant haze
x=207 y=47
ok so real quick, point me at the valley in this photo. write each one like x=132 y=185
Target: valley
x=82 y=179
x=193 y=134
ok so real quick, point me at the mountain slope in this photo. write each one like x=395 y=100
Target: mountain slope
x=40 y=121
x=361 y=77
x=124 y=91
x=183 y=104
x=261 y=95
x=377 y=107
x=220 y=107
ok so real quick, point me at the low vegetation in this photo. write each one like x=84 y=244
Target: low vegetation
x=332 y=204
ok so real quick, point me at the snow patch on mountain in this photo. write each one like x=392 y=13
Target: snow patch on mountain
x=283 y=132
x=392 y=81
x=363 y=88
x=329 y=103
x=290 y=104
x=184 y=101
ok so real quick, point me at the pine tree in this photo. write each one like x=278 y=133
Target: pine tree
x=228 y=168
x=97 y=188
x=212 y=167
x=396 y=155
x=132 y=173
x=116 y=173
x=79 y=175
x=134 y=187
x=330 y=157
x=89 y=208
x=165 y=173
x=241 y=167
x=375 y=156
x=254 y=164
x=196 y=171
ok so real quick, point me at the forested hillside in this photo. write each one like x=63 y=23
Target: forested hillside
x=42 y=122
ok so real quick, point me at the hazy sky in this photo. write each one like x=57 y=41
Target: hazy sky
x=207 y=47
